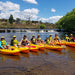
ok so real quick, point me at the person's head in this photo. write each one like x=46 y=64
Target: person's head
x=56 y=35
x=14 y=37
x=24 y=37
x=66 y=35
x=2 y=38
x=50 y=35
x=38 y=35
x=33 y=36
x=71 y=35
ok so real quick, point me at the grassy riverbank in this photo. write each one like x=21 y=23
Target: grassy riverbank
x=26 y=24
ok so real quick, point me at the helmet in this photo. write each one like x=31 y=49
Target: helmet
x=47 y=36
x=14 y=36
x=38 y=34
x=66 y=35
x=50 y=34
x=71 y=34
x=2 y=36
x=33 y=35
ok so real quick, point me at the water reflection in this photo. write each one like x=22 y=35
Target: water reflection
x=34 y=53
x=56 y=52
x=25 y=55
x=5 y=57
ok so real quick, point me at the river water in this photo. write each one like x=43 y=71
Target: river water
x=46 y=62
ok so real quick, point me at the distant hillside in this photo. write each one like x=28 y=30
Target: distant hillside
x=4 y=23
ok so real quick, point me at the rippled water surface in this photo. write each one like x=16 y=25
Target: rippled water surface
x=46 y=62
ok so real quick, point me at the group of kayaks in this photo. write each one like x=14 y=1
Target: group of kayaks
x=36 y=48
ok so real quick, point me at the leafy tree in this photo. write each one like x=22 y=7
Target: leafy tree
x=11 y=19
x=18 y=21
x=67 y=22
x=42 y=26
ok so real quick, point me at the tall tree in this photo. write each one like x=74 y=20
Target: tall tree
x=68 y=21
x=11 y=19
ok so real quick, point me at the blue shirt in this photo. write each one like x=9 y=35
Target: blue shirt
x=1 y=45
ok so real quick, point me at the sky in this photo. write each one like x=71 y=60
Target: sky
x=42 y=10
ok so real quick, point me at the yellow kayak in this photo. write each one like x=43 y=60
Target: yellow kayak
x=39 y=46
x=58 y=48
x=70 y=44
x=24 y=49
x=13 y=51
x=63 y=42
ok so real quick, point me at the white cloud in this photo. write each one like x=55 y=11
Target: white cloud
x=32 y=13
x=31 y=1
x=52 y=19
x=53 y=10
x=8 y=8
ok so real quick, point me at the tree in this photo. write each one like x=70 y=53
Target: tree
x=42 y=26
x=67 y=22
x=11 y=19
x=18 y=21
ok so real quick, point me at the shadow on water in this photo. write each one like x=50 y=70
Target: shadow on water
x=54 y=51
x=5 y=57
x=34 y=53
x=25 y=55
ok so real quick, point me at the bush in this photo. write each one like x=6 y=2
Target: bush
x=59 y=26
x=42 y=26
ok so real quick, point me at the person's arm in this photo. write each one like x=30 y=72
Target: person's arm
x=1 y=45
x=5 y=43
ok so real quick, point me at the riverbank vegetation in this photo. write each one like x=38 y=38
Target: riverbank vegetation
x=18 y=23
x=67 y=22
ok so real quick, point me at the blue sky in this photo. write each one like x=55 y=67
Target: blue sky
x=47 y=9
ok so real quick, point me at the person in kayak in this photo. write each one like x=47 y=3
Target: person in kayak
x=14 y=41
x=72 y=39
x=51 y=40
x=38 y=40
x=47 y=41
x=50 y=37
x=24 y=41
x=56 y=38
x=33 y=40
x=3 y=43
x=67 y=38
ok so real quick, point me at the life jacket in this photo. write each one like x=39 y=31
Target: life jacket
x=67 y=38
x=33 y=40
x=39 y=39
x=15 y=42
x=56 y=38
x=24 y=40
x=3 y=42
x=47 y=41
x=50 y=38
x=71 y=38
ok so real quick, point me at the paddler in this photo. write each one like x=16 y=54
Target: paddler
x=51 y=40
x=38 y=40
x=72 y=39
x=56 y=38
x=50 y=37
x=14 y=41
x=47 y=41
x=33 y=40
x=3 y=43
x=24 y=41
x=67 y=38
